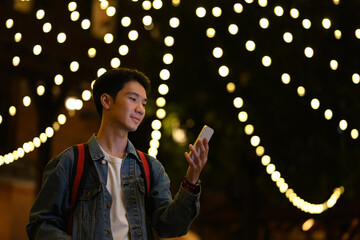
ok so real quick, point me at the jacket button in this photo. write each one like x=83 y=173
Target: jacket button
x=88 y=194
x=103 y=162
x=109 y=231
x=108 y=205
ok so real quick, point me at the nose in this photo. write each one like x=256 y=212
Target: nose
x=140 y=109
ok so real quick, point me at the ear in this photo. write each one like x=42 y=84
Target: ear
x=106 y=100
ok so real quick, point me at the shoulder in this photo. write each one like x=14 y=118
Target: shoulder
x=62 y=164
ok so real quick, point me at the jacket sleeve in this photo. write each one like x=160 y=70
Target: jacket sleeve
x=49 y=212
x=170 y=217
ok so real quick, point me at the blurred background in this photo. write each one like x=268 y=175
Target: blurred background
x=278 y=81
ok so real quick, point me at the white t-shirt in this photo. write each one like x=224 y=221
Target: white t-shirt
x=118 y=217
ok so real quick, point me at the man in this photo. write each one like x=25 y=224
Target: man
x=112 y=203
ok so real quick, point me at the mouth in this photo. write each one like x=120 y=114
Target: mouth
x=136 y=119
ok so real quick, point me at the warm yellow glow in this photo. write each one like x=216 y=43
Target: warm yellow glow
x=356 y=78
x=169 y=41
x=74 y=66
x=326 y=23
x=146 y=5
x=92 y=52
x=294 y=13
x=56 y=126
x=40 y=14
x=308 y=224
x=1 y=119
x=288 y=37
x=243 y=116
x=111 y=11
x=301 y=91
x=328 y=114
x=164 y=74
x=168 y=58
x=334 y=65
x=104 y=4
x=161 y=113
x=125 y=21
x=354 y=134
x=217 y=52
x=357 y=33
x=37 y=49
x=101 y=71
x=249 y=1
x=337 y=34
x=200 y=12
x=285 y=78
x=12 y=110
x=108 y=38
x=238 y=8
x=9 y=23
x=238 y=102
x=49 y=131
x=230 y=87
x=61 y=37
x=336 y=2
x=306 y=23
x=210 y=32
x=275 y=176
x=43 y=137
x=270 y=168
x=309 y=52
x=260 y=150
x=17 y=37
x=250 y=45
x=26 y=101
x=85 y=24
x=74 y=16
x=264 y=23
x=266 y=61
x=86 y=95
x=233 y=29
x=263 y=3
x=279 y=11
x=156 y=134
x=16 y=61
x=61 y=119
x=115 y=62
x=315 y=103
x=216 y=11
x=223 y=71
x=249 y=129
x=154 y=143
x=47 y=27
x=123 y=50
x=147 y=20
x=157 y=4
x=174 y=22
x=156 y=124
x=163 y=89
x=343 y=124
x=133 y=35
x=72 y=6
x=255 y=141
x=160 y=102
x=40 y=90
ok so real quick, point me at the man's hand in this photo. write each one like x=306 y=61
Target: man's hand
x=196 y=165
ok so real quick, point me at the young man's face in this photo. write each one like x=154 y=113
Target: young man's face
x=127 y=110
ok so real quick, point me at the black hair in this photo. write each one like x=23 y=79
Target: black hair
x=112 y=81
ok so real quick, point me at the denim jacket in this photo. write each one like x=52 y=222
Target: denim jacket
x=166 y=216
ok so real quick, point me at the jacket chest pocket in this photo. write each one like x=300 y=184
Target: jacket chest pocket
x=89 y=202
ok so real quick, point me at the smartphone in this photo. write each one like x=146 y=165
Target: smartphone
x=206 y=132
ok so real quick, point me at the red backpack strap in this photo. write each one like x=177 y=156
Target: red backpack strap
x=146 y=169
x=79 y=162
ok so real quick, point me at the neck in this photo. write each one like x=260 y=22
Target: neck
x=113 y=141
